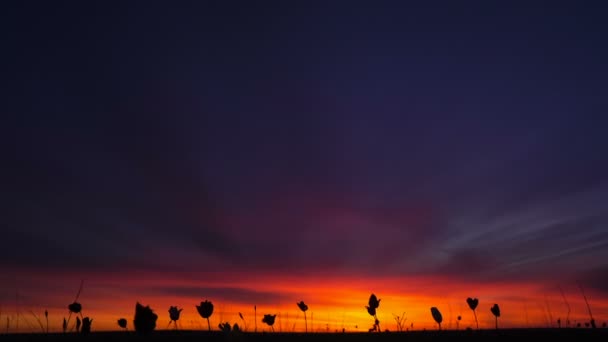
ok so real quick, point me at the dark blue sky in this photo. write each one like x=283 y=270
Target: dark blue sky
x=348 y=137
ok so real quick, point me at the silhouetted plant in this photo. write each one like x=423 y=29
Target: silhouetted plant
x=243 y=320
x=122 y=322
x=205 y=310
x=86 y=325
x=46 y=314
x=78 y=323
x=473 y=302
x=458 y=322
x=174 y=315
x=400 y=320
x=303 y=307
x=236 y=328
x=64 y=326
x=269 y=319
x=145 y=319
x=496 y=312
x=225 y=327
x=437 y=316
x=372 y=305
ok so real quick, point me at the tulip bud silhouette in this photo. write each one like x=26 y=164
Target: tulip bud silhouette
x=496 y=312
x=437 y=316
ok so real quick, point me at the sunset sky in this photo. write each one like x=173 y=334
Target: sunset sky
x=267 y=152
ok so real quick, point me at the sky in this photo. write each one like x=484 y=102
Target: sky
x=263 y=153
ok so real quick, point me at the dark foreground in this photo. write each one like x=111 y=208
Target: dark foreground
x=414 y=336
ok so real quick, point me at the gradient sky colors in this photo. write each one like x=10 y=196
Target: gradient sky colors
x=265 y=153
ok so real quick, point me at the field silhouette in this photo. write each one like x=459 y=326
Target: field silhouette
x=540 y=334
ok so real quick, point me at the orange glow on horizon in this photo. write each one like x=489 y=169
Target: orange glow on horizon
x=335 y=303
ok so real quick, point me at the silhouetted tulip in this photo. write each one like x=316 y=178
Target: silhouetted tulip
x=269 y=319
x=122 y=322
x=65 y=325
x=86 y=325
x=473 y=302
x=496 y=312
x=304 y=308
x=78 y=323
x=437 y=316
x=174 y=315
x=205 y=310
x=145 y=319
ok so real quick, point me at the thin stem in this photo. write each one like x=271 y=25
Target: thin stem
x=476 y=323
x=208 y=324
x=305 y=323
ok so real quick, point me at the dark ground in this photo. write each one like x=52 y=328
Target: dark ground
x=568 y=334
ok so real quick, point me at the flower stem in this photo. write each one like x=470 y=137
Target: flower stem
x=208 y=324
x=305 y=323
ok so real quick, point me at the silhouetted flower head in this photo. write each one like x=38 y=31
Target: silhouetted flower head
x=459 y=317
x=174 y=313
x=473 y=302
x=269 y=319
x=374 y=302
x=86 y=325
x=302 y=306
x=145 y=319
x=436 y=315
x=205 y=309
x=371 y=311
x=75 y=307
x=122 y=322
x=495 y=310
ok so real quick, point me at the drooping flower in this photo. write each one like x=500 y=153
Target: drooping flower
x=437 y=316
x=374 y=302
x=303 y=307
x=205 y=310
